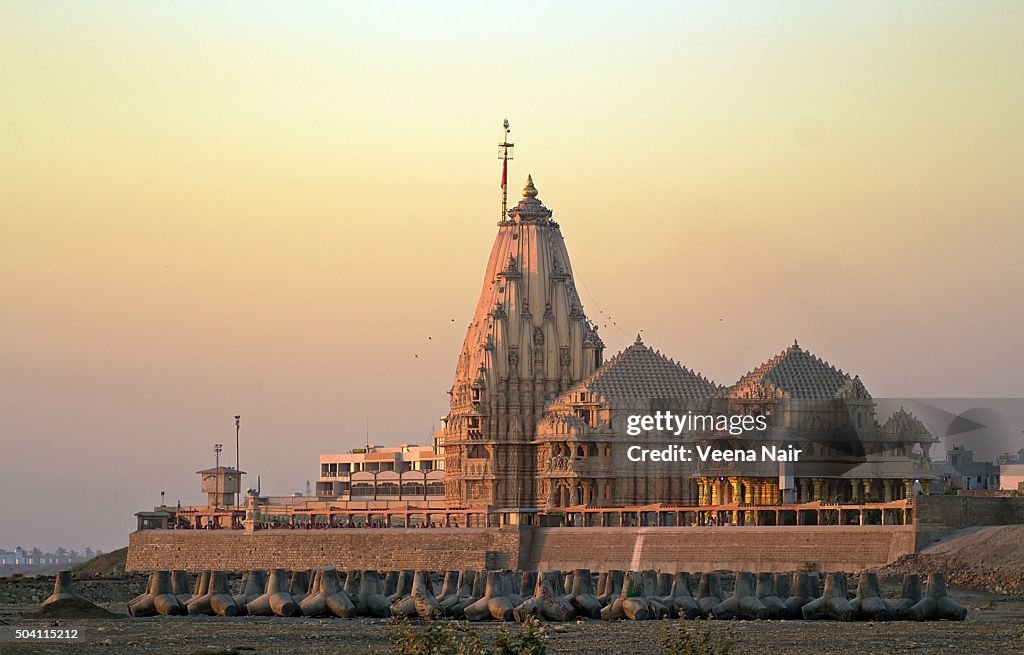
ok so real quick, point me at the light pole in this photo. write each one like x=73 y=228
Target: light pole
x=238 y=467
x=216 y=484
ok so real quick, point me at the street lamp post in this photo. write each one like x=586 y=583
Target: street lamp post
x=216 y=485
x=238 y=467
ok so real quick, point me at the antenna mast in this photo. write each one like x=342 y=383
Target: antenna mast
x=504 y=154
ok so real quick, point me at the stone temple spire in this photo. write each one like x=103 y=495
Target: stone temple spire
x=528 y=341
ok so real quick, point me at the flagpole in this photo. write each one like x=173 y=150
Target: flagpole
x=505 y=155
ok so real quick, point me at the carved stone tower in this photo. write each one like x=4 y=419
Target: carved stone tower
x=528 y=341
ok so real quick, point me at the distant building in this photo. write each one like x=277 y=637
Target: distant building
x=1011 y=458
x=970 y=474
x=222 y=485
x=1011 y=477
x=28 y=559
x=399 y=473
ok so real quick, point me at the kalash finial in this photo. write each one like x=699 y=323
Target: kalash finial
x=529 y=191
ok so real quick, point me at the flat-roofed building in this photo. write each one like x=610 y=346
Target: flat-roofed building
x=408 y=472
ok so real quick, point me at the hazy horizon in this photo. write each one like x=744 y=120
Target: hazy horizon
x=285 y=211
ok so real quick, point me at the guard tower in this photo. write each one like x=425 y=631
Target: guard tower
x=221 y=484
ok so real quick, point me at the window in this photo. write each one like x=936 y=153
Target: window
x=412 y=489
x=362 y=489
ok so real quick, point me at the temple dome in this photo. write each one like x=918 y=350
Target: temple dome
x=639 y=372
x=797 y=373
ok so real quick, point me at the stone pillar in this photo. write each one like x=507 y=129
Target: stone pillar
x=805 y=490
x=855 y=489
x=714 y=491
x=926 y=486
x=701 y=492
x=887 y=490
x=867 y=488
x=818 y=493
x=908 y=488
x=734 y=489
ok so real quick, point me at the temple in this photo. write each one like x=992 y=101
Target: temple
x=537 y=417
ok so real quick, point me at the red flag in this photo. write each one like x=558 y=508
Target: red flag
x=504 y=172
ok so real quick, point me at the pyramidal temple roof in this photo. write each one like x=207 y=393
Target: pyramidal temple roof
x=641 y=372
x=904 y=424
x=796 y=373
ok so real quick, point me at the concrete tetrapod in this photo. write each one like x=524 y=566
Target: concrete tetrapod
x=275 y=600
x=709 y=592
x=936 y=605
x=653 y=593
x=636 y=604
x=772 y=599
x=527 y=584
x=680 y=601
x=910 y=595
x=455 y=605
x=545 y=602
x=582 y=598
x=403 y=586
x=390 y=583
x=421 y=602
x=201 y=589
x=353 y=579
x=495 y=602
x=479 y=583
x=298 y=585
x=804 y=590
x=632 y=603
x=834 y=602
x=783 y=585
x=158 y=599
x=743 y=604
x=370 y=601
x=449 y=586
x=612 y=588
x=328 y=598
x=180 y=587
x=216 y=599
x=869 y=605
x=253 y=584
x=65 y=602
x=566 y=582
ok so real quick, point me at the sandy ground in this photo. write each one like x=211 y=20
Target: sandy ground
x=995 y=625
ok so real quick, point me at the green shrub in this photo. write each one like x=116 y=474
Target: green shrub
x=454 y=638
x=679 y=638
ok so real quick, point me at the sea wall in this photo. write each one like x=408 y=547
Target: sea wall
x=347 y=548
x=782 y=548
x=935 y=516
x=666 y=548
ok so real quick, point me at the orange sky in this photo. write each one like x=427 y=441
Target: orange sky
x=267 y=209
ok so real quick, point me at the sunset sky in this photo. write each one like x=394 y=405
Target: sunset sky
x=272 y=208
